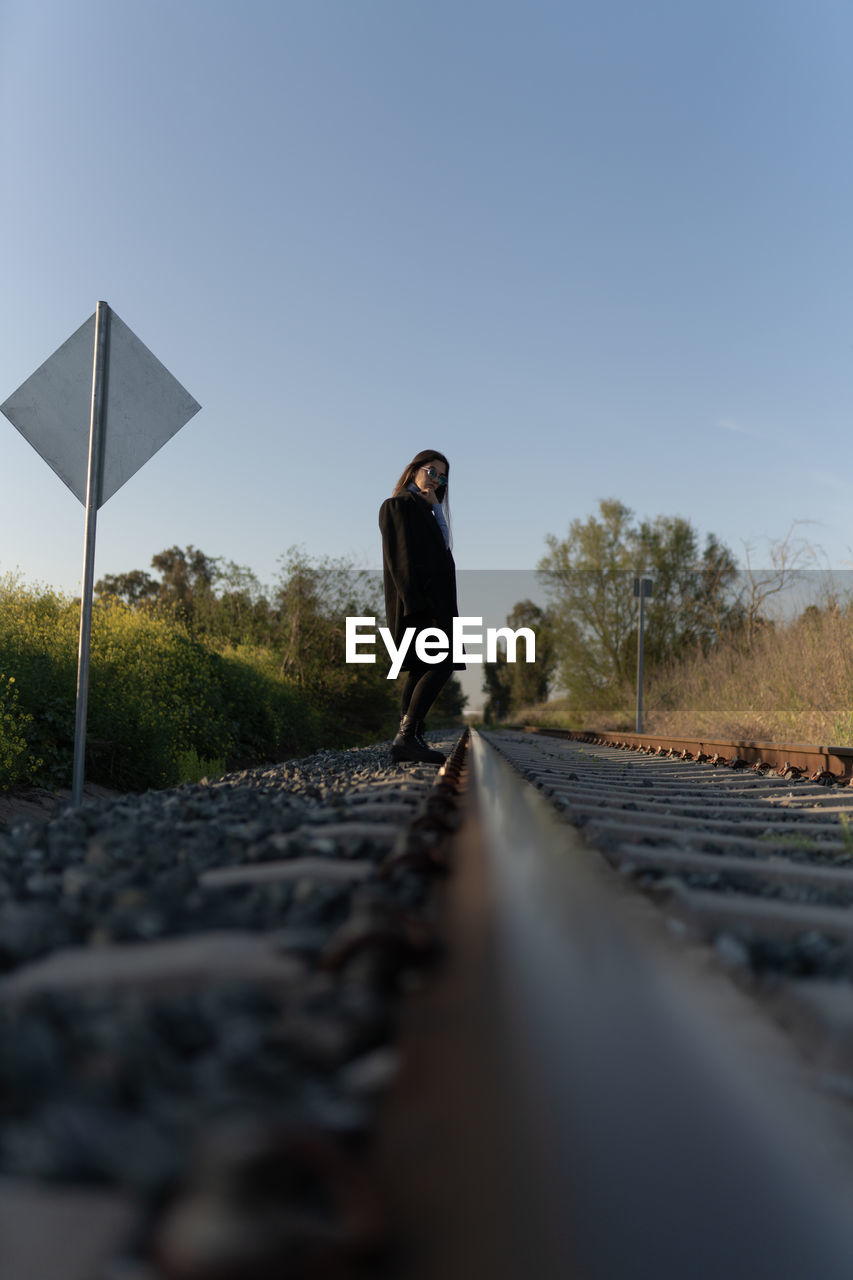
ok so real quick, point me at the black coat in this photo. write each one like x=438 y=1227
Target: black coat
x=418 y=571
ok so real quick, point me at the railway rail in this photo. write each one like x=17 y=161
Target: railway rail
x=827 y=765
x=350 y=1020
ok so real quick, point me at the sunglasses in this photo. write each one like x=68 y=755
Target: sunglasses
x=435 y=475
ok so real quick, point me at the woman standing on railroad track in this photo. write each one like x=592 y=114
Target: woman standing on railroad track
x=420 y=590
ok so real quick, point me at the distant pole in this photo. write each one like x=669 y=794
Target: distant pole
x=97 y=424
x=642 y=587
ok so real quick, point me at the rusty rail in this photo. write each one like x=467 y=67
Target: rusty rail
x=820 y=763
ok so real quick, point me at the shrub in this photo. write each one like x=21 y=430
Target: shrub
x=162 y=705
x=17 y=763
x=38 y=643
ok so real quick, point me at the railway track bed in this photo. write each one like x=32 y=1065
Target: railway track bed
x=226 y=1052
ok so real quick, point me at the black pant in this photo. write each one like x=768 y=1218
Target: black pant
x=424 y=682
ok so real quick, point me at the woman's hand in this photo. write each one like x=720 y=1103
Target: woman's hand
x=427 y=493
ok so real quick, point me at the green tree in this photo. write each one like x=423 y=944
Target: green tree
x=215 y=598
x=236 y=610
x=696 y=600
x=186 y=580
x=589 y=578
x=510 y=686
x=449 y=706
x=186 y=583
x=134 y=588
x=297 y=629
x=313 y=600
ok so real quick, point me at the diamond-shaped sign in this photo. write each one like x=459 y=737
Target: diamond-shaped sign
x=145 y=407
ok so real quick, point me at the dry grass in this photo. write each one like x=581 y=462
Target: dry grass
x=794 y=685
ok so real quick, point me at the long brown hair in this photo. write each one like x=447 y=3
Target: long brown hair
x=420 y=460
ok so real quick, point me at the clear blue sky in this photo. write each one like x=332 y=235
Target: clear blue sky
x=586 y=249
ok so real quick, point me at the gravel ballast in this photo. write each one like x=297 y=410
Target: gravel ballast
x=198 y=996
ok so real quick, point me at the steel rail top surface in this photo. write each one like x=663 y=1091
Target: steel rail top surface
x=657 y=1143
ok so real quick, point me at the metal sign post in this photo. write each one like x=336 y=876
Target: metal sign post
x=132 y=405
x=643 y=587
x=97 y=427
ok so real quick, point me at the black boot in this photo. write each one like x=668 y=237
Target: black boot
x=420 y=730
x=406 y=749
